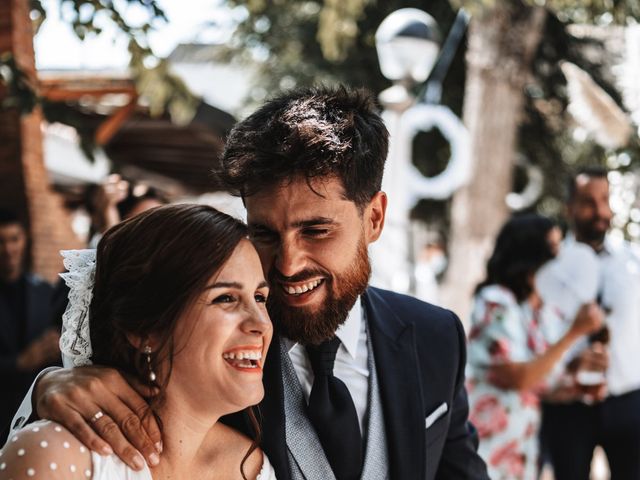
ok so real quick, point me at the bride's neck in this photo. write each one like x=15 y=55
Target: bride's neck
x=190 y=439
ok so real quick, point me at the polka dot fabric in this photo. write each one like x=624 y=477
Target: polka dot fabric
x=45 y=450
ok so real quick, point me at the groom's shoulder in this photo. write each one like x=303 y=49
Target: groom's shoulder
x=425 y=316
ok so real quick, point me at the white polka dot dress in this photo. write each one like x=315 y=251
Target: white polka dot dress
x=44 y=450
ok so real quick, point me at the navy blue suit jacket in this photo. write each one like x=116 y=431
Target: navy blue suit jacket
x=420 y=358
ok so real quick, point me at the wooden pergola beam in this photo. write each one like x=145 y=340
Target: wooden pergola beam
x=61 y=94
x=73 y=88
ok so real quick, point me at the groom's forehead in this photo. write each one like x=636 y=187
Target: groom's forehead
x=299 y=188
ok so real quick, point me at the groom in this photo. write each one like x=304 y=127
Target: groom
x=362 y=383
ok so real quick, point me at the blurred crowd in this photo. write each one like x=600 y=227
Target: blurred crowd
x=552 y=348
x=552 y=339
x=30 y=308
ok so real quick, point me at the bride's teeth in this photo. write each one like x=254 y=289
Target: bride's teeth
x=242 y=355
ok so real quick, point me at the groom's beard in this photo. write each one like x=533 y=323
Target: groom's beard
x=313 y=325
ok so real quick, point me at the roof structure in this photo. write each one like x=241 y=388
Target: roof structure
x=105 y=107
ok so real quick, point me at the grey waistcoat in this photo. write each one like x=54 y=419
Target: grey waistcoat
x=307 y=460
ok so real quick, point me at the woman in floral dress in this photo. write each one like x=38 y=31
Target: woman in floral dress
x=508 y=359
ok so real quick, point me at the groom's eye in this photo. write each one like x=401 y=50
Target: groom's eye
x=315 y=232
x=263 y=235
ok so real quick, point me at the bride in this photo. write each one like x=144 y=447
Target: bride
x=178 y=302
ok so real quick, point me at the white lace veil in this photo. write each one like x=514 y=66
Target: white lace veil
x=75 y=342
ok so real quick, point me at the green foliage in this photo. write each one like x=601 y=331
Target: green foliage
x=545 y=136
x=84 y=15
x=302 y=43
x=574 y=11
x=338 y=27
x=585 y=11
x=161 y=90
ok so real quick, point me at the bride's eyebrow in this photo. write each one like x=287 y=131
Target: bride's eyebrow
x=238 y=285
x=224 y=285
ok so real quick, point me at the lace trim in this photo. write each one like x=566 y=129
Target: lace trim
x=75 y=341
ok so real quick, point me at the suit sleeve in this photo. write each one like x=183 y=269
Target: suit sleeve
x=460 y=459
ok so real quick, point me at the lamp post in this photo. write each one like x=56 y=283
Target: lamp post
x=408 y=45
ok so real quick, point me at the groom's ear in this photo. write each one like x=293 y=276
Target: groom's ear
x=374 y=216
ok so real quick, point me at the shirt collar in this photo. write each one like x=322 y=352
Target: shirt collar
x=348 y=332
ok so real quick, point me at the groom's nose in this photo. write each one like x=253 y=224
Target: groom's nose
x=289 y=258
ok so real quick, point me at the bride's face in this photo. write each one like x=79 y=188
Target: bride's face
x=222 y=339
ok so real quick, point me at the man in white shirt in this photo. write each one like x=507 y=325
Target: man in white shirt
x=572 y=431
x=361 y=382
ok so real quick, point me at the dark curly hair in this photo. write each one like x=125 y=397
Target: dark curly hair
x=522 y=247
x=308 y=133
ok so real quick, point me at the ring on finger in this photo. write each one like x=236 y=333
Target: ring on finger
x=98 y=415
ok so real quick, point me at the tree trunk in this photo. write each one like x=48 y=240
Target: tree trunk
x=502 y=44
x=24 y=184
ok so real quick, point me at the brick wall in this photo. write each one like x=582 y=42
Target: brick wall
x=24 y=185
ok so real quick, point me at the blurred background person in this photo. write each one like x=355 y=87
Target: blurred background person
x=28 y=337
x=508 y=358
x=109 y=203
x=115 y=200
x=613 y=424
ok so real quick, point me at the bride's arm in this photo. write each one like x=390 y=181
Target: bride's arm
x=45 y=450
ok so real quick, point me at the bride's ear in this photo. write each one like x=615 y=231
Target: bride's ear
x=140 y=342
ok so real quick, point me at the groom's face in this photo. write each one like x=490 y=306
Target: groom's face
x=312 y=242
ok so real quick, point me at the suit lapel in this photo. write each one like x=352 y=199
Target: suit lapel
x=272 y=409
x=398 y=370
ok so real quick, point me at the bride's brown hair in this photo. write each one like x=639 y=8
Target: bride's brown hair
x=149 y=269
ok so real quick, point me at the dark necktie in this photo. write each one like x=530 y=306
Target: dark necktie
x=333 y=414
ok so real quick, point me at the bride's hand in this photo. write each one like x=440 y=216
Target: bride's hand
x=103 y=410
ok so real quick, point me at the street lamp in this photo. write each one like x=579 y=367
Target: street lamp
x=408 y=45
x=408 y=42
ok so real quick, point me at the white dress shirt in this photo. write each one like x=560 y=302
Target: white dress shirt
x=351 y=365
x=619 y=293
